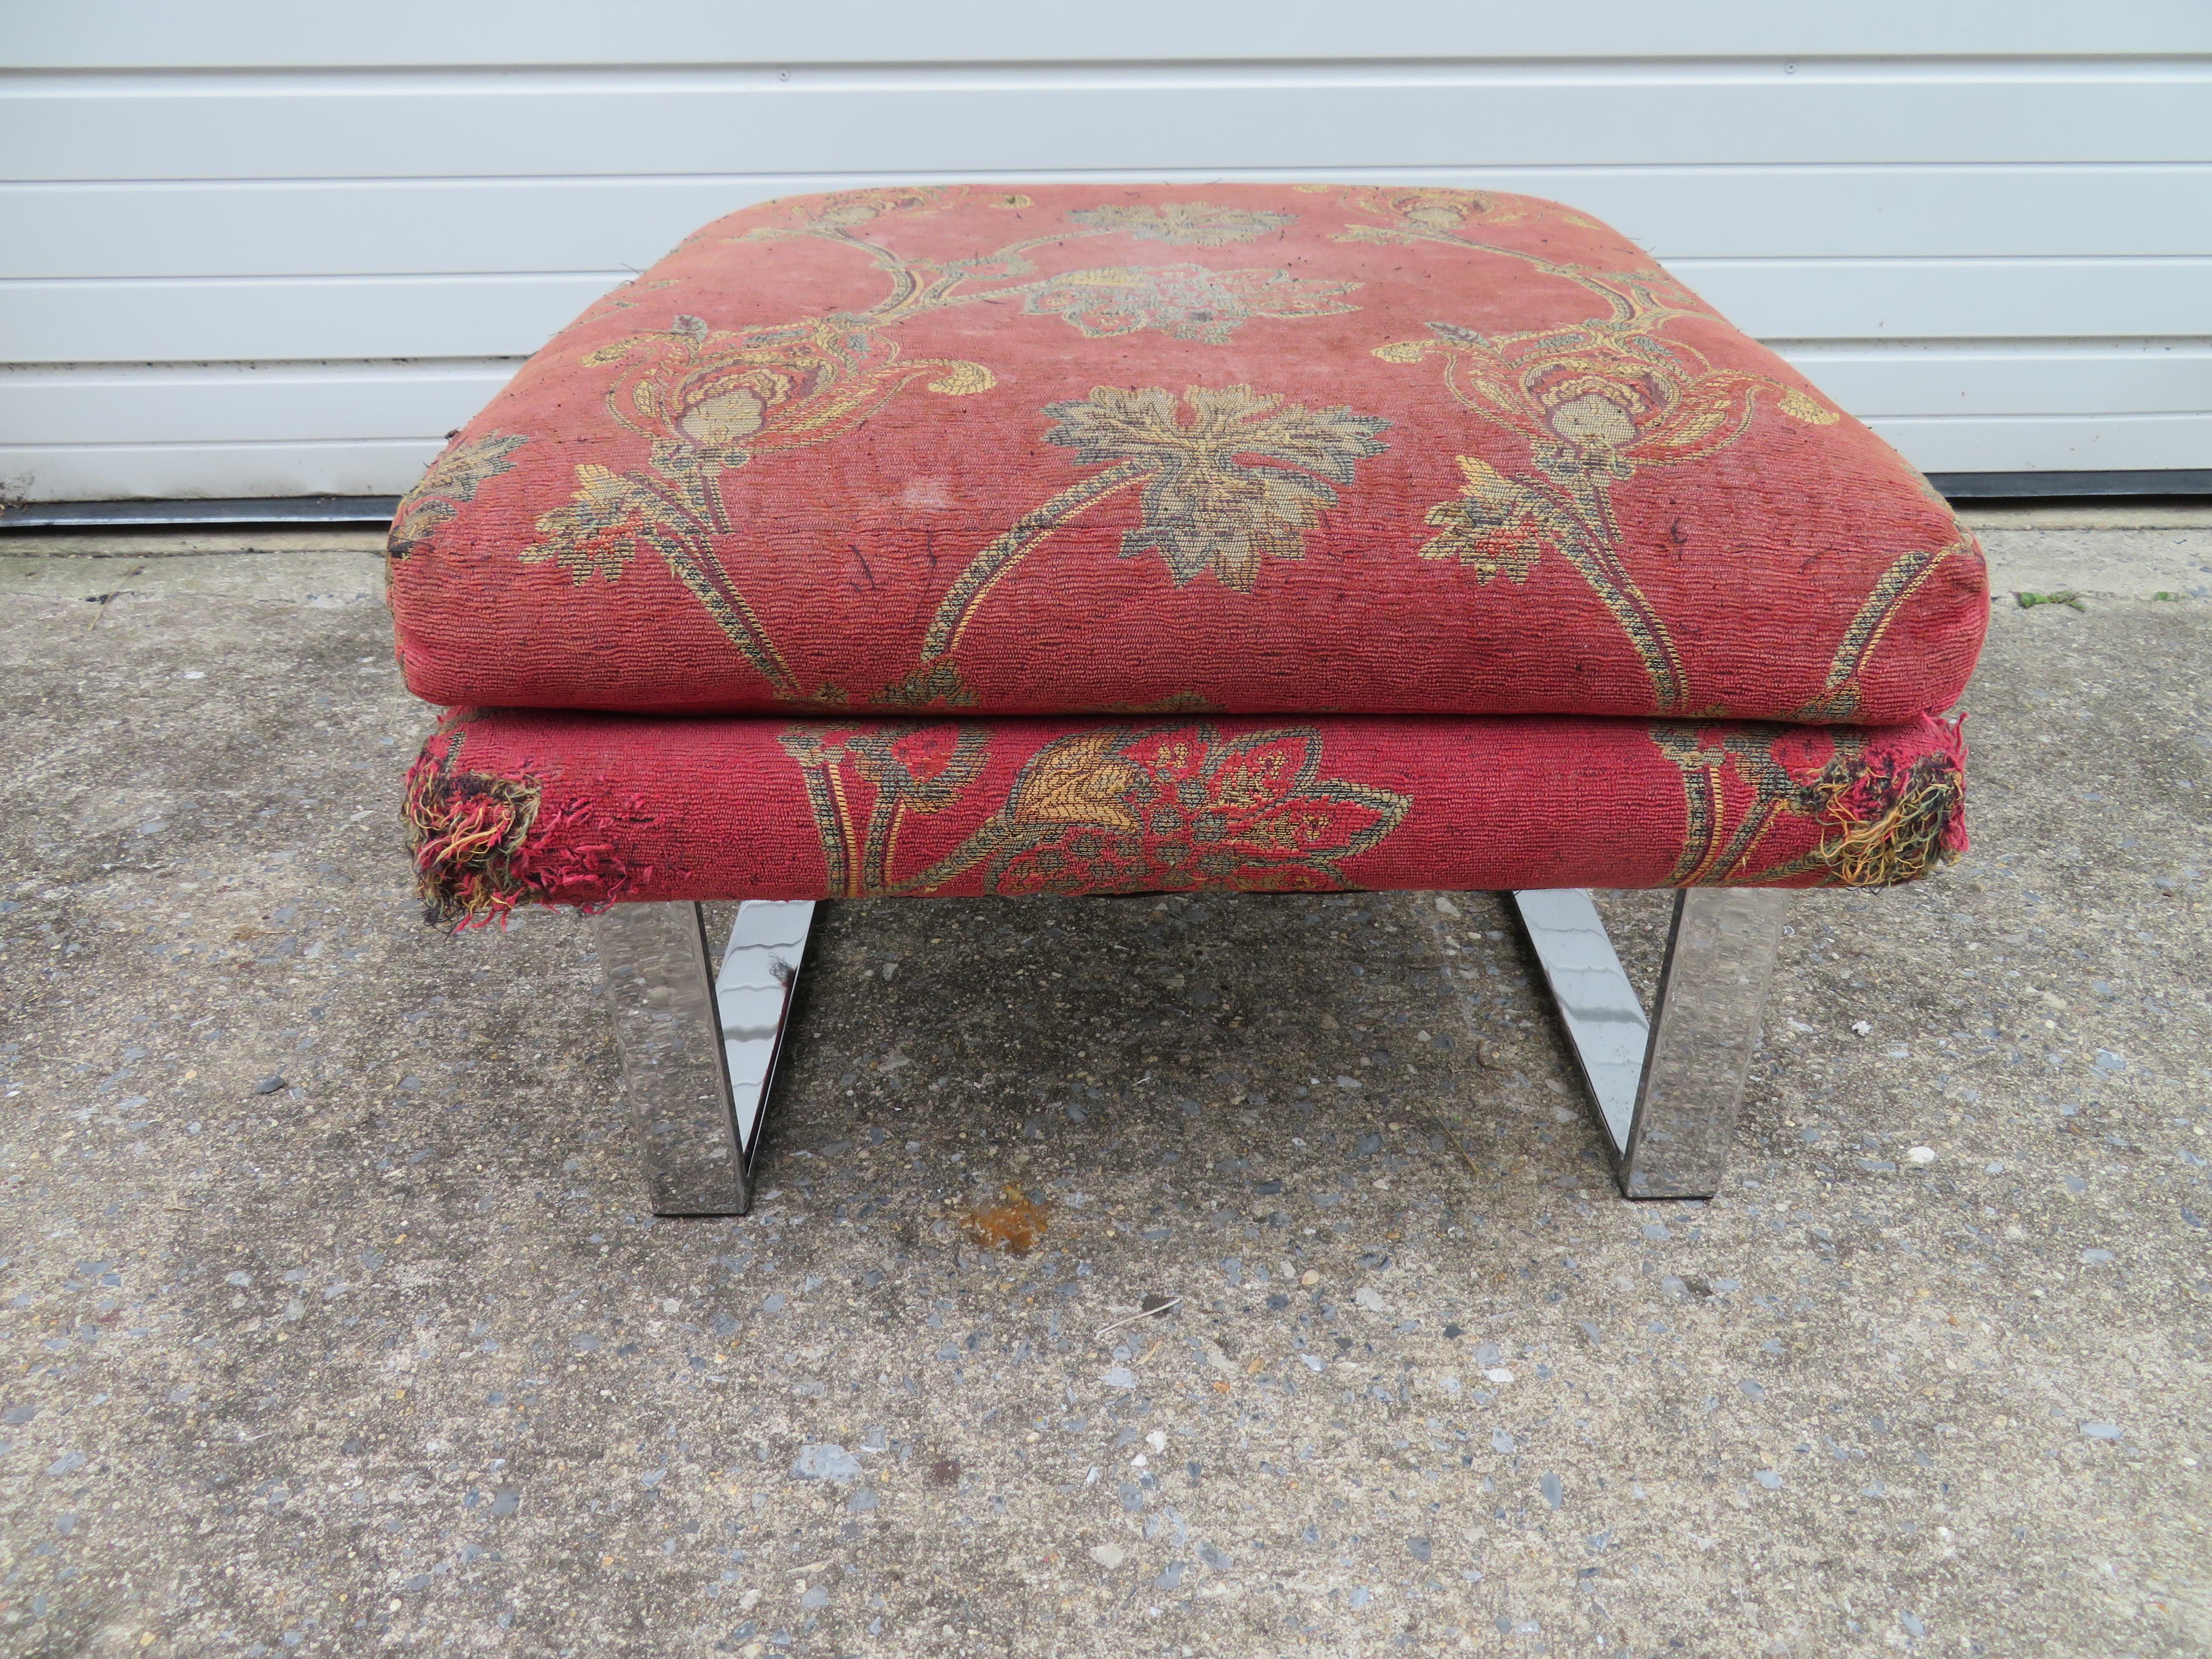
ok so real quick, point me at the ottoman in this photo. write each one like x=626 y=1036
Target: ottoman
x=1078 y=541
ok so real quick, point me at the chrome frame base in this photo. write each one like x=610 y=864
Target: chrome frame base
x=1666 y=1089
x=699 y=1050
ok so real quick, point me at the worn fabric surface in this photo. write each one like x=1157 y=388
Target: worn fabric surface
x=1264 y=448
x=510 y=808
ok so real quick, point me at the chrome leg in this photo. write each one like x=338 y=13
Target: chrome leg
x=1604 y=1019
x=684 y=1039
x=754 y=991
x=1668 y=1088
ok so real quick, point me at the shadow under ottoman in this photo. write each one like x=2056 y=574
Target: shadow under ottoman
x=700 y=1048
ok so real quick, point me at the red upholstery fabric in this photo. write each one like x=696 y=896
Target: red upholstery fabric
x=1264 y=448
x=586 y=809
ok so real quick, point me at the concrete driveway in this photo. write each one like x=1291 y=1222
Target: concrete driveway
x=329 y=1324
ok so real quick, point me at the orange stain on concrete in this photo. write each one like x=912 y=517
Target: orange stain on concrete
x=1014 y=1225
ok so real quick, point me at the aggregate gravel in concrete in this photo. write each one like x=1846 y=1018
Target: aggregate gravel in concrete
x=329 y=1323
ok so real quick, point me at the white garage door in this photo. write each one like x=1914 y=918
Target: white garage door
x=257 y=249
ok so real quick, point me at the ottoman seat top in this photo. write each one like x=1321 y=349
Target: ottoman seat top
x=1229 y=449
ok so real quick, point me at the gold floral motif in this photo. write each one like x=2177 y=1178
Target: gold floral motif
x=1242 y=480
x=712 y=400
x=1437 y=212
x=709 y=402
x=1188 y=302
x=708 y=398
x=1115 y=810
x=1078 y=779
x=1706 y=758
x=1492 y=527
x=909 y=769
x=1180 y=809
x=453 y=478
x=1192 y=224
x=1430 y=206
x=840 y=209
x=1595 y=402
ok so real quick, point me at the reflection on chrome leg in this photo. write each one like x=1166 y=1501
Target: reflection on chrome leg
x=1667 y=1090
x=699 y=1056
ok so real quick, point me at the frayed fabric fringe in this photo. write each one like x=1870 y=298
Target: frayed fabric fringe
x=483 y=844
x=1892 y=823
x=467 y=832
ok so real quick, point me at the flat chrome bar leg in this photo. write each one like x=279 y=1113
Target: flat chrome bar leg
x=1604 y=1019
x=698 y=1055
x=652 y=962
x=1705 y=1021
x=1667 y=1090
x=754 y=992
x=653 y=965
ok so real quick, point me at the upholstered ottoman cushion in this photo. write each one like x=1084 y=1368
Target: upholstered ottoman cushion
x=1234 y=447
x=512 y=808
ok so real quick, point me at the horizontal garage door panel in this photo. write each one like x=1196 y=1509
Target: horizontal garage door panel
x=282 y=33
x=2053 y=443
x=249 y=471
x=265 y=248
x=338 y=127
x=321 y=403
x=474 y=226
x=1874 y=384
x=1955 y=298
x=358 y=401
x=277 y=319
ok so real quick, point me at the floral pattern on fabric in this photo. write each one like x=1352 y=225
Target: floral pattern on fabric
x=1398 y=448
x=1118 y=810
x=1188 y=302
x=1184 y=809
x=1430 y=206
x=708 y=403
x=450 y=479
x=581 y=809
x=906 y=769
x=842 y=210
x=1594 y=403
x=713 y=400
x=1242 y=480
x=1882 y=822
x=1194 y=224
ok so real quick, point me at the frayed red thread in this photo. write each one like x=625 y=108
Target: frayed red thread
x=483 y=844
x=467 y=830
x=1888 y=824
